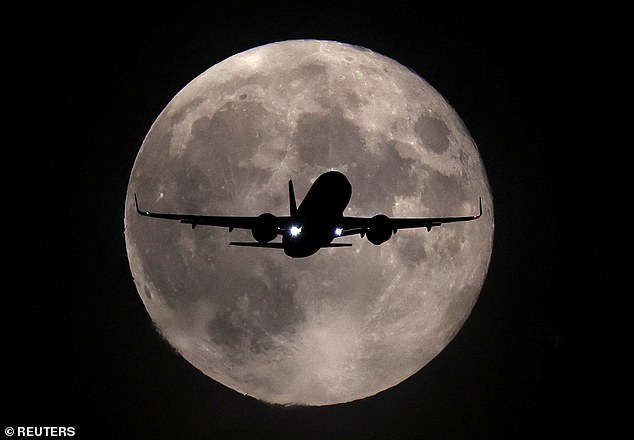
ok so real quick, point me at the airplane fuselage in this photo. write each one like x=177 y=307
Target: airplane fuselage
x=318 y=216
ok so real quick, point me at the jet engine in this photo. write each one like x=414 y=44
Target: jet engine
x=379 y=230
x=265 y=228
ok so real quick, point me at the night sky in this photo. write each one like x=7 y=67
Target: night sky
x=534 y=359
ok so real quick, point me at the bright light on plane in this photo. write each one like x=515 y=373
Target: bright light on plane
x=295 y=230
x=338 y=231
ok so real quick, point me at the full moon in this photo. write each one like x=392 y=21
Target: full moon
x=345 y=323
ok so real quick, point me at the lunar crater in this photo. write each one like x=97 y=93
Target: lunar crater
x=432 y=133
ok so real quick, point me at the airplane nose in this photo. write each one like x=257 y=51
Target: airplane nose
x=336 y=177
x=335 y=182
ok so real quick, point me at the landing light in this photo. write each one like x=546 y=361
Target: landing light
x=295 y=230
x=338 y=231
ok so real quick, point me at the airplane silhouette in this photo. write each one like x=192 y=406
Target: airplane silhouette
x=315 y=223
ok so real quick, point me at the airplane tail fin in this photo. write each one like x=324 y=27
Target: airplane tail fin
x=291 y=198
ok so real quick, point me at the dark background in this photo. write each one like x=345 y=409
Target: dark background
x=534 y=360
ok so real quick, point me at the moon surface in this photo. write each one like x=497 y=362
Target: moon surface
x=344 y=323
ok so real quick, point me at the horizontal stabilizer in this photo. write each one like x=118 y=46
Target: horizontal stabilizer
x=278 y=245
x=256 y=244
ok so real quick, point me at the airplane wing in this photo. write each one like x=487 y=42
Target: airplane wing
x=361 y=225
x=231 y=222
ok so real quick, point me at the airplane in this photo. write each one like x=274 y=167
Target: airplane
x=315 y=223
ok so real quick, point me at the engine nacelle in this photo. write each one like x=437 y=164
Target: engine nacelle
x=379 y=230
x=265 y=228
